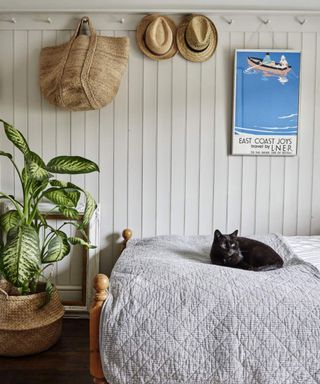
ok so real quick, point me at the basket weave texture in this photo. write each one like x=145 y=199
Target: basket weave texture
x=85 y=73
x=28 y=327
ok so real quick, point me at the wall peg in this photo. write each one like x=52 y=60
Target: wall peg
x=49 y=20
x=301 y=21
x=10 y=20
x=266 y=21
x=122 y=20
x=229 y=21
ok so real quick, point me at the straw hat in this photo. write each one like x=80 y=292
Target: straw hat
x=156 y=37
x=197 y=38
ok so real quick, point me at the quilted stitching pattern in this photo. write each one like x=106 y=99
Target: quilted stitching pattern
x=172 y=317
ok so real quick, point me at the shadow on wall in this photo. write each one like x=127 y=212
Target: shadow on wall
x=110 y=254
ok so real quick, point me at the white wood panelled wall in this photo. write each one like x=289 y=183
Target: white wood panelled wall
x=163 y=145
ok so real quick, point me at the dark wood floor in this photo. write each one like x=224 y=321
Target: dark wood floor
x=65 y=363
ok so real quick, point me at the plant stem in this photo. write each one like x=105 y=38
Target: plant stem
x=14 y=202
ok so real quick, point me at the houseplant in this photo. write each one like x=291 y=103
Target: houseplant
x=31 y=312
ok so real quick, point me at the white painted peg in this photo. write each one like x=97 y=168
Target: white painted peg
x=11 y=20
x=301 y=21
x=265 y=21
x=122 y=20
x=49 y=20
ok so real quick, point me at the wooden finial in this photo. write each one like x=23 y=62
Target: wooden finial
x=100 y=282
x=127 y=234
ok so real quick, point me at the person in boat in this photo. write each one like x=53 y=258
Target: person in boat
x=283 y=62
x=267 y=59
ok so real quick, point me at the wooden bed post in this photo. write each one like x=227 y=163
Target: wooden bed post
x=100 y=284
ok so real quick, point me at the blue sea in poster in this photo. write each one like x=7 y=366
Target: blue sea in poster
x=267 y=101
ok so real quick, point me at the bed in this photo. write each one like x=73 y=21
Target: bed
x=169 y=316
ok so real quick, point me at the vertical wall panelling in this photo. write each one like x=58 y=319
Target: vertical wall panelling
x=263 y=167
x=308 y=64
x=149 y=170
x=135 y=136
x=178 y=173
x=315 y=218
x=6 y=102
x=206 y=162
x=249 y=168
x=192 y=148
x=277 y=166
x=163 y=145
x=106 y=193
x=291 y=181
x=163 y=150
x=222 y=132
x=235 y=162
x=20 y=96
x=121 y=154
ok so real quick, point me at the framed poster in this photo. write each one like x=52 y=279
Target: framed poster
x=266 y=102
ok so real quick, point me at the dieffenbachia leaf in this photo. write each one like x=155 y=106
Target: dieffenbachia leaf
x=9 y=220
x=36 y=167
x=71 y=165
x=79 y=241
x=58 y=183
x=59 y=197
x=58 y=248
x=21 y=255
x=89 y=209
x=16 y=137
x=69 y=212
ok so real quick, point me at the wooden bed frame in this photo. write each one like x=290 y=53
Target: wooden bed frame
x=100 y=284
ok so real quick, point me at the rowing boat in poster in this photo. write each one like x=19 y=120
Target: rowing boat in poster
x=266 y=102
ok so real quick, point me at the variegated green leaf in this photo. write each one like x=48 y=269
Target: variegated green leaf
x=74 y=196
x=71 y=165
x=58 y=183
x=79 y=241
x=69 y=212
x=16 y=137
x=37 y=172
x=9 y=220
x=59 y=197
x=34 y=157
x=21 y=255
x=36 y=167
x=58 y=248
x=90 y=207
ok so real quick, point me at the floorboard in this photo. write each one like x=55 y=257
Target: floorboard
x=65 y=363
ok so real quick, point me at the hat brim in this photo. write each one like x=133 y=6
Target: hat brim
x=186 y=51
x=141 y=29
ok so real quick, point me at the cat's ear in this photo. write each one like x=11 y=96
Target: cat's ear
x=234 y=234
x=217 y=234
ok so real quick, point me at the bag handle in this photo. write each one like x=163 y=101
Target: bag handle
x=84 y=19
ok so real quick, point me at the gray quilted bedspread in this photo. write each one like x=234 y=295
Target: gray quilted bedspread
x=172 y=317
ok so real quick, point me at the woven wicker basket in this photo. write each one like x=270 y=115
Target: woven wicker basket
x=28 y=327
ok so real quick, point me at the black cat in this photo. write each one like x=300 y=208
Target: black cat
x=241 y=252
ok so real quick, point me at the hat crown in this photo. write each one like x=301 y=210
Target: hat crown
x=198 y=33
x=158 y=36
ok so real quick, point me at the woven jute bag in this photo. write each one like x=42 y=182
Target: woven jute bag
x=86 y=72
x=27 y=326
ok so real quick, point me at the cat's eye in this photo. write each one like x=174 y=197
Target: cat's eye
x=232 y=245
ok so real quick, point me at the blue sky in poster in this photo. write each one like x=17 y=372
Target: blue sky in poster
x=266 y=103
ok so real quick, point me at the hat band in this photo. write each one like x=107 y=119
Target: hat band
x=195 y=50
x=151 y=50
